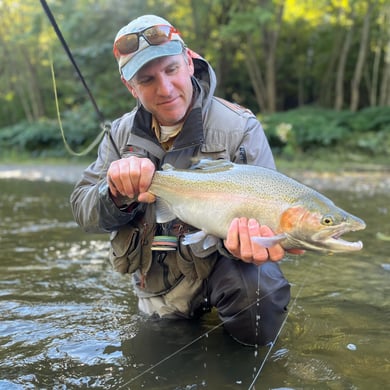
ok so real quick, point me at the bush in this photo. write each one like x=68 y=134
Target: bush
x=31 y=137
x=306 y=129
x=43 y=138
x=290 y=133
x=373 y=119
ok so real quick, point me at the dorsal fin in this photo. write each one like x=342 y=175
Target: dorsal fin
x=212 y=165
x=204 y=164
x=168 y=167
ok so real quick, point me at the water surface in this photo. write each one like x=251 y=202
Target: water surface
x=69 y=322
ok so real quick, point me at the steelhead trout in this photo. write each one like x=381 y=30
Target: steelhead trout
x=214 y=192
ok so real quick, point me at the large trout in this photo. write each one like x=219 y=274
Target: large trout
x=213 y=193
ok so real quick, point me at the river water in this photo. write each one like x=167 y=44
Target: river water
x=69 y=322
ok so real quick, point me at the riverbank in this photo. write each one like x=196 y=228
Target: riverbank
x=66 y=173
x=368 y=182
x=371 y=181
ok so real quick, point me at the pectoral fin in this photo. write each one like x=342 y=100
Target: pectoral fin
x=163 y=211
x=268 y=242
x=210 y=241
x=194 y=238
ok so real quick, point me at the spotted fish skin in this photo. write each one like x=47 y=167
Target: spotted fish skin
x=214 y=192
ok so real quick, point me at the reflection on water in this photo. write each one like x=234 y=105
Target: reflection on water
x=69 y=322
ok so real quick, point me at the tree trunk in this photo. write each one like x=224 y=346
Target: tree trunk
x=256 y=77
x=360 y=60
x=339 y=87
x=327 y=90
x=375 y=75
x=24 y=101
x=271 y=37
x=33 y=89
x=384 y=93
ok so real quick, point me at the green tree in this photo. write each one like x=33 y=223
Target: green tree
x=21 y=61
x=269 y=55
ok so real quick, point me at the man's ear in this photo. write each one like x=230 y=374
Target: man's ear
x=129 y=87
x=190 y=62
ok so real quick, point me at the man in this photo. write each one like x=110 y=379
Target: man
x=178 y=120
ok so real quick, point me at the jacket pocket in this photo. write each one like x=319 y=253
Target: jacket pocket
x=192 y=266
x=215 y=151
x=125 y=250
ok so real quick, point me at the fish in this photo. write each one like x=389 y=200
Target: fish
x=210 y=194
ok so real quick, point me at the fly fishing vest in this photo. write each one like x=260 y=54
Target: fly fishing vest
x=156 y=271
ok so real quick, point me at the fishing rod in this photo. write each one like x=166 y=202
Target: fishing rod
x=106 y=126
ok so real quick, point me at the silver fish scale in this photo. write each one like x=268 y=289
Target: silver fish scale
x=218 y=191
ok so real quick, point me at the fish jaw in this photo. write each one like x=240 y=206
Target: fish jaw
x=331 y=237
x=304 y=230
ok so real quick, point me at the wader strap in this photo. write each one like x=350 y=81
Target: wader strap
x=153 y=148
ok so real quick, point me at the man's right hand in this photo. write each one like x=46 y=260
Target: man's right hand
x=131 y=177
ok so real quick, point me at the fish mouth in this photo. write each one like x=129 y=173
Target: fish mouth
x=336 y=244
x=330 y=238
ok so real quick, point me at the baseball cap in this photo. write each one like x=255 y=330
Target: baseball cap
x=131 y=63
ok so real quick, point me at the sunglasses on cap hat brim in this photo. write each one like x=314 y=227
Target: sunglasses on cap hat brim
x=154 y=36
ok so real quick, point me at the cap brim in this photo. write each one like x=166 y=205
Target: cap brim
x=148 y=54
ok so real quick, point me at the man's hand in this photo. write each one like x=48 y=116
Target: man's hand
x=240 y=245
x=131 y=177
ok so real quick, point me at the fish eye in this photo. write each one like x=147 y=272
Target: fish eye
x=327 y=220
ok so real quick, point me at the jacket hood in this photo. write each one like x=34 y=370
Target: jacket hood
x=204 y=75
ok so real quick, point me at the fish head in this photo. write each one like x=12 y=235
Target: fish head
x=320 y=229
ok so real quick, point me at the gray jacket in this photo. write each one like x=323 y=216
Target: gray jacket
x=214 y=129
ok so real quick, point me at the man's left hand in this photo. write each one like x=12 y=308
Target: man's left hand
x=240 y=245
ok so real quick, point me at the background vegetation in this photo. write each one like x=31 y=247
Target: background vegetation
x=317 y=73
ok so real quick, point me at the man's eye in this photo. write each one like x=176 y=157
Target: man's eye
x=172 y=69
x=145 y=81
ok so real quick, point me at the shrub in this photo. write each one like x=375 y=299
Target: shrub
x=306 y=129
x=43 y=138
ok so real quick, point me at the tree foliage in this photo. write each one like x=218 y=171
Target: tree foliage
x=269 y=55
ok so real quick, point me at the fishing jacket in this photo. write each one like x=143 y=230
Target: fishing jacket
x=213 y=129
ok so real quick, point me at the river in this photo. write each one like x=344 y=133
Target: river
x=69 y=322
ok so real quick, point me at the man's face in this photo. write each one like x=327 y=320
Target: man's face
x=164 y=88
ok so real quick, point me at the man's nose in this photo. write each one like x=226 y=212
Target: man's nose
x=164 y=86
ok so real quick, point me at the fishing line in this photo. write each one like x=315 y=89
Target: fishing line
x=272 y=343
x=106 y=126
x=67 y=147
x=71 y=58
x=192 y=342
x=218 y=326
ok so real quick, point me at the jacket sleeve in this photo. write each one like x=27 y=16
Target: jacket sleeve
x=91 y=204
